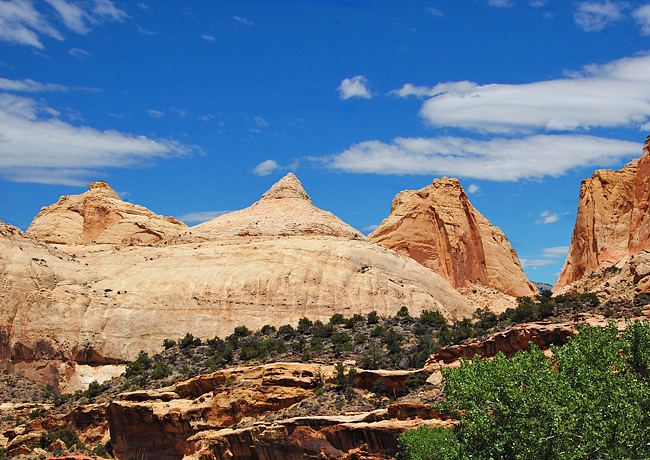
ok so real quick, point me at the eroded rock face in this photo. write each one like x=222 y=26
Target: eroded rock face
x=613 y=222
x=197 y=418
x=100 y=216
x=273 y=263
x=438 y=227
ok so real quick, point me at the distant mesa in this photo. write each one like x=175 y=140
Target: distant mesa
x=99 y=216
x=438 y=227
x=613 y=221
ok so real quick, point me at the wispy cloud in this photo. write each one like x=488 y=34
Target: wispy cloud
x=265 y=168
x=455 y=87
x=156 y=113
x=210 y=38
x=550 y=256
x=143 y=31
x=261 y=122
x=473 y=188
x=369 y=229
x=535 y=263
x=498 y=159
x=595 y=16
x=548 y=217
x=22 y=24
x=611 y=95
x=642 y=17
x=354 y=87
x=244 y=21
x=79 y=53
x=435 y=12
x=31 y=86
x=39 y=147
x=202 y=216
x=558 y=251
x=500 y=3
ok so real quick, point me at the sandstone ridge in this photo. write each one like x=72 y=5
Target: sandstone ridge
x=438 y=227
x=613 y=221
x=100 y=216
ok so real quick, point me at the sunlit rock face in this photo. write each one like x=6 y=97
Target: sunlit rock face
x=100 y=216
x=613 y=223
x=275 y=262
x=438 y=227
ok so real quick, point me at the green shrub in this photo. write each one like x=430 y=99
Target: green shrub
x=167 y=344
x=403 y=312
x=187 y=341
x=67 y=435
x=160 y=371
x=373 y=317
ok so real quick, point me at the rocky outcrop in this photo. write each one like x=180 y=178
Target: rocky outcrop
x=64 y=314
x=199 y=418
x=613 y=222
x=509 y=342
x=100 y=216
x=438 y=227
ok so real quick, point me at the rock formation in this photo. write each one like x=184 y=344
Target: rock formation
x=100 y=216
x=613 y=222
x=273 y=263
x=438 y=227
x=221 y=415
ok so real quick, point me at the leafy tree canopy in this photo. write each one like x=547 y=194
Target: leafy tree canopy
x=591 y=400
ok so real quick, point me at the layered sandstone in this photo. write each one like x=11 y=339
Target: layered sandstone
x=438 y=227
x=613 y=222
x=222 y=415
x=65 y=314
x=100 y=216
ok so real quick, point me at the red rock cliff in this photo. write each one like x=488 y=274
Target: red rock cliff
x=613 y=223
x=438 y=227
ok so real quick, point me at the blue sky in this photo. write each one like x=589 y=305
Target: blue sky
x=196 y=108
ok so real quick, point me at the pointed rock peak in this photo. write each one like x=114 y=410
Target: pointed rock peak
x=101 y=188
x=289 y=187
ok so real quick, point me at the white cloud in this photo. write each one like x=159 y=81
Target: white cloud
x=261 y=122
x=29 y=86
x=265 y=168
x=38 y=147
x=610 y=95
x=547 y=217
x=73 y=16
x=535 y=263
x=22 y=24
x=79 y=53
x=435 y=12
x=210 y=38
x=156 y=113
x=558 y=251
x=500 y=3
x=354 y=87
x=146 y=32
x=454 y=87
x=473 y=188
x=497 y=159
x=202 y=216
x=595 y=16
x=537 y=3
x=243 y=20
x=369 y=229
x=642 y=17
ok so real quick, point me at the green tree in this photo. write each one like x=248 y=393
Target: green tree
x=590 y=400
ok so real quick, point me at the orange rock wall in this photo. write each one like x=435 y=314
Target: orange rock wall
x=612 y=222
